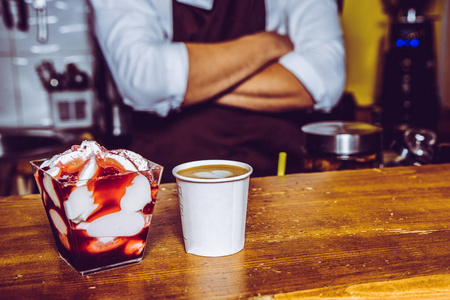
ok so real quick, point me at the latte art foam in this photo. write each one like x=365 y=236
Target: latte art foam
x=214 y=174
x=213 y=171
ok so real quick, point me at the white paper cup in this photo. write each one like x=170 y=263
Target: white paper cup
x=213 y=211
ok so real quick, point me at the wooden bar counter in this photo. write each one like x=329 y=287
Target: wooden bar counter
x=366 y=234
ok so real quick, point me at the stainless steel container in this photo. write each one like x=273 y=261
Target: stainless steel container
x=338 y=145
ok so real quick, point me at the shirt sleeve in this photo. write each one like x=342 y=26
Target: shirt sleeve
x=318 y=59
x=150 y=71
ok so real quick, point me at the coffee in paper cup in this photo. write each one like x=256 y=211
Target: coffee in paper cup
x=213 y=205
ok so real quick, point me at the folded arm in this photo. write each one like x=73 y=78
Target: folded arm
x=219 y=67
x=273 y=89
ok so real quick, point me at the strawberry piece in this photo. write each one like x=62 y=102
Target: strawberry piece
x=134 y=247
x=97 y=246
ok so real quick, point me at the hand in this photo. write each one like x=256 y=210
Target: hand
x=280 y=44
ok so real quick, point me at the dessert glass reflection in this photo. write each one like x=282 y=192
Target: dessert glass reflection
x=99 y=204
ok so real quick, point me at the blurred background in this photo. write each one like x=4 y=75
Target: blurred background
x=397 y=58
x=367 y=25
x=55 y=90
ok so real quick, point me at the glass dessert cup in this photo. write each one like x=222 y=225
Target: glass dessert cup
x=100 y=223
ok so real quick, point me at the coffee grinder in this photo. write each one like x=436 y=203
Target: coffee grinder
x=409 y=95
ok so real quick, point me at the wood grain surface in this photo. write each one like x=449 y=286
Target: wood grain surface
x=366 y=234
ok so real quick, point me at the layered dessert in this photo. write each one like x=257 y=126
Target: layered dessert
x=99 y=203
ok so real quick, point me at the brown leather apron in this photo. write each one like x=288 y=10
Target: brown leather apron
x=210 y=131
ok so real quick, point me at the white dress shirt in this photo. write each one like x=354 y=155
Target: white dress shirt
x=151 y=72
